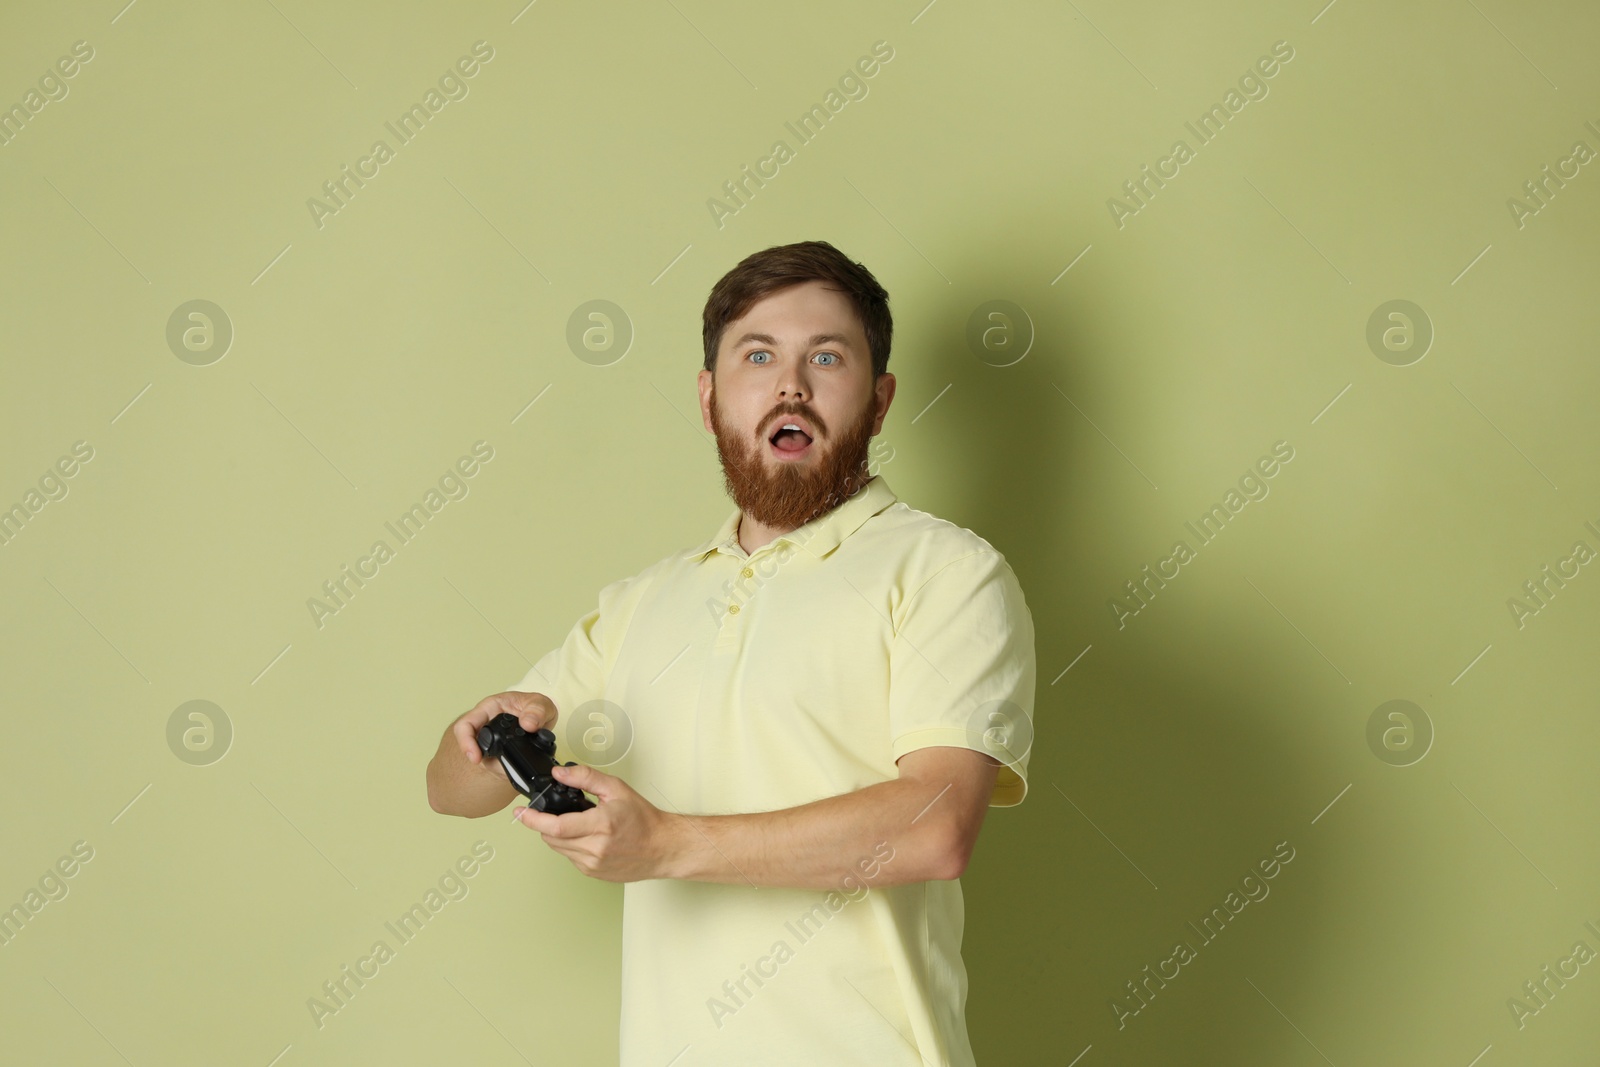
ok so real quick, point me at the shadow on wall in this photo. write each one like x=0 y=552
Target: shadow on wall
x=1150 y=735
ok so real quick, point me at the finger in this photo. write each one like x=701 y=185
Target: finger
x=467 y=739
x=588 y=779
x=575 y=824
x=563 y=848
x=483 y=711
x=533 y=710
x=581 y=861
x=542 y=821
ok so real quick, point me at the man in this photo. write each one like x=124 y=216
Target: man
x=823 y=699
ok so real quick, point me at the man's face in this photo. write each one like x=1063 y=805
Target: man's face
x=798 y=356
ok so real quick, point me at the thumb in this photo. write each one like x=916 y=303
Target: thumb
x=588 y=779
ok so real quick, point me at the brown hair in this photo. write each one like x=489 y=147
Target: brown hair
x=762 y=273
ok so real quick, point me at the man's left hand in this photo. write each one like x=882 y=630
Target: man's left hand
x=623 y=838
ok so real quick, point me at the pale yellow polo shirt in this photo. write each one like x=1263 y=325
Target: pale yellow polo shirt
x=751 y=683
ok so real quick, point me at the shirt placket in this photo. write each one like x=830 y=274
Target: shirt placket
x=738 y=605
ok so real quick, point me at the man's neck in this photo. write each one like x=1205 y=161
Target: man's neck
x=753 y=534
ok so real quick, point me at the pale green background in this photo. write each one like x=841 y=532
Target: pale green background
x=1227 y=315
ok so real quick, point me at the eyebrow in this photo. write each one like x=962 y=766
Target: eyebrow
x=816 y=339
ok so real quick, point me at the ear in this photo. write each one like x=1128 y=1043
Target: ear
x=704 y=379
x=884 y=390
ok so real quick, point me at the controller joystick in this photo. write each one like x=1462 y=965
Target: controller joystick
x=527 y=759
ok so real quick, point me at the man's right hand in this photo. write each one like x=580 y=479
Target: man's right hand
x=460 y=780
x=533 y=711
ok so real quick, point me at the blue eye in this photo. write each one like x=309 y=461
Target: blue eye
x=764 y=352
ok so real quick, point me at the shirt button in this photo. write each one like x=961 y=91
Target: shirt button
x=733 y=609
x=747 y=573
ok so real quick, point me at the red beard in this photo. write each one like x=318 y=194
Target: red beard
x=787 y=495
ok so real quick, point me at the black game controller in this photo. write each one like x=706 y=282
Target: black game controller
x=527 y=759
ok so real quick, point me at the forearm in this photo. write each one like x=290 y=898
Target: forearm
x=818 y=845
x=457 y=786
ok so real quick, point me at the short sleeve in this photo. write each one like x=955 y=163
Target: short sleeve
x=962 y=669
x=574 y=672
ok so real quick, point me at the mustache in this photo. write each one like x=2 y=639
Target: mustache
x=801 y=410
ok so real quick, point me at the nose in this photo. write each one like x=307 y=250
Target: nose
x=792 y=385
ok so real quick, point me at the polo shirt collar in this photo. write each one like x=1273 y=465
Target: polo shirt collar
x=819 y=536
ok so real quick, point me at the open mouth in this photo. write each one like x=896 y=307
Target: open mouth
x=789 y=441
